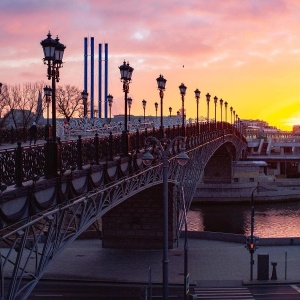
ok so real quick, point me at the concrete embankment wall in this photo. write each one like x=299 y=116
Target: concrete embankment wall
x=280 y=190
x=239 y=238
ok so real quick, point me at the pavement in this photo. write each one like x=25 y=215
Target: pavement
x=4 y=146
x=210 y=264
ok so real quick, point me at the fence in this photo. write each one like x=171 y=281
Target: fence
x=21 y=164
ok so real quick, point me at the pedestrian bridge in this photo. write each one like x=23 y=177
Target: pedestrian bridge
x=129 y=208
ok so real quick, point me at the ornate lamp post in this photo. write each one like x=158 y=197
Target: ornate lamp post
x=165 y=147
x=170 y=110
x=129 y=101
x=226 y=104
x=126 y=74
x=161 y=85
x=241 y=127
x=84 y=97
x=207 y=101
x=215 y=101
x=0 y=93
x=47 y=94
x=231 y=108
x=221 y=105
x=233 y=117
x=156 y=106
x=110 y=102
x=251 y=241
x=3 y=186
x=144 y=102
x=53 y=55
x=182 y=89
x=197 y=96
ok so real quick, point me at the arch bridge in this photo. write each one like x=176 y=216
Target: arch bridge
x=32 y=245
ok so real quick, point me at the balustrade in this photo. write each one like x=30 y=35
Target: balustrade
x=21 y=164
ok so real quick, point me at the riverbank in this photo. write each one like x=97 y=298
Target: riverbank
x=278 y=190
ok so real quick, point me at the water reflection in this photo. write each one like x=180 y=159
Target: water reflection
x=271 y=220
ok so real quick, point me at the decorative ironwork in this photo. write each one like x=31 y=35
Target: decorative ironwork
x=7 y=167
x=69 y=155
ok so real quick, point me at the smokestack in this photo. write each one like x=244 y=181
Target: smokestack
x=106 y=79
x=100 y=81
x=85 y=67
x=92 y=77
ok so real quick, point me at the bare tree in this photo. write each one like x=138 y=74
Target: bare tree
x=21 y=104
x=68 y=100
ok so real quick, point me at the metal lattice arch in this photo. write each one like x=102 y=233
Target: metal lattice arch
x=33 y=245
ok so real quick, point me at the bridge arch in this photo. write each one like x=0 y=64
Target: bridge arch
x=218 y=168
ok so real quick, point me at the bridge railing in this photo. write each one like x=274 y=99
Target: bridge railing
x=21 y=164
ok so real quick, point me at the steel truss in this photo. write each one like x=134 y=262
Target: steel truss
x=29 y=247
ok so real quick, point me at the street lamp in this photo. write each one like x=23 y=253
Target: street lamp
x=182 y=89
x=84 y=97
x=144 y=102
x=129 y=101
x=221 y=105
x=252 y=241
x=231 y=108
x=126 y=74
x=207 y=101
x=170 y=110
x=233 y=117
x=226 y=104
x=186 y=275
x=110 y=102
x=47 y=94
x=197 y=95
x=156 y=106
x=161 y=85
x=0 y=93
x=53 y=55
x=165 y=147
x=215 y=101
x=3 y=186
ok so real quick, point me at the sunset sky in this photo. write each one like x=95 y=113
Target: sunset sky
x=246 y=52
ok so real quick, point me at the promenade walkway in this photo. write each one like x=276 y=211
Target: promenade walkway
x=211 y=264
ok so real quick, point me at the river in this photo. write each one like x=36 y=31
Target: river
x=270 y=220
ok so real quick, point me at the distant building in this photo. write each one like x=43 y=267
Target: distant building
x=296 y=129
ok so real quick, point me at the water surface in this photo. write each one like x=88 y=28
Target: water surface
x=270 y=220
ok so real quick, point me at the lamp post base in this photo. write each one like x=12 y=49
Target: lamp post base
x=51 y=159
x=124 y=141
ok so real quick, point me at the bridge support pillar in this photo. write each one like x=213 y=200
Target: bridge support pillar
x=137 y=223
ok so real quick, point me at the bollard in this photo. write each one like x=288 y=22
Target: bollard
x=274 y=274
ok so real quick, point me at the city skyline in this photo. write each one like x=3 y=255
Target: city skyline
x=245 y=52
